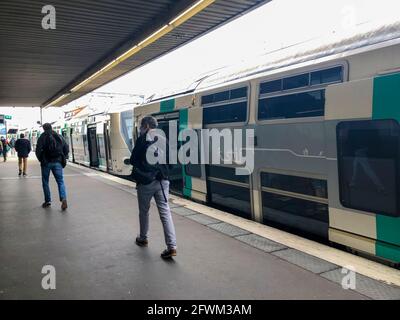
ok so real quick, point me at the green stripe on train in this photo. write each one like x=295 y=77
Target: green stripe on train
x=187 y=180
x=386 y=105
x=167 y=105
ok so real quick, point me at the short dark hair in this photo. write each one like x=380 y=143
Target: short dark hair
x=22 y=135
x=47 y=127
x=149 y=120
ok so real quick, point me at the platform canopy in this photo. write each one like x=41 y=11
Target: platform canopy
x=94 y=42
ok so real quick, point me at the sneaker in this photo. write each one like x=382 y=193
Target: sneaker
x=19 y=173
x=168 y=253
x=24 y=174
x=64 y=205
x=46 y=204
x=141 y=243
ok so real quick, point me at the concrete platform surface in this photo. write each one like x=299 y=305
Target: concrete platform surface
x=92 y=248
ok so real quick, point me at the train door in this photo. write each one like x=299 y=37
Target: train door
x=175 y=170
x=93 y=148
x=108 y=145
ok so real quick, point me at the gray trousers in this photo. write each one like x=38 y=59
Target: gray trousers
x=145 y=193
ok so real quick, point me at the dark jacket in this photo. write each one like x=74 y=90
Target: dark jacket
x=23 y=147
x=140 y=164
x=42 y=147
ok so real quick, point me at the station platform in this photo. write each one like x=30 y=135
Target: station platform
x=92 y=247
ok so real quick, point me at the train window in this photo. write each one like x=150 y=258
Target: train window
x=300 y=185
x=271 y=86
x=368 y=163
x=299 y=81
x=221 y=96
x=225 y=173
x=207 y=99
x=327 y=76
x=296 y=202
x=235 y=199
x=238 y=93
x=224 y=96
x=233 y=112
x=295 y=206
x=298 y=105
x=193 y=170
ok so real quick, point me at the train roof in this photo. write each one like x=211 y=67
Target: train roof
x=362 y=36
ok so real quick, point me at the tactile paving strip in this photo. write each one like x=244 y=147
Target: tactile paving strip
x=369 y=287
x=203 y=219
x=305 y=261
x=183 y=211
x=261 y=243
x=228 y=229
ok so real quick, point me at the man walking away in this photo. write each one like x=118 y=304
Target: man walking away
x=52 y=152
x=23 y=148
x=152 y=181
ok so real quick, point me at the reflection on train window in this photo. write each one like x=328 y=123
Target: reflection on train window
x=301 y=185
x=225 y=173
x=224 y=96
x=296 y=81
x=298 y=105
x=327 y=76
x=235 y=199
x=228 y=191
x=271 y=86
x=233 y=112
x=299 y=207
x=368 y=161
x=238 y=93
x=298 y=202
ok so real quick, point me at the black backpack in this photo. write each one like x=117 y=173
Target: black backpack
x=53 y=149
x=153 y=172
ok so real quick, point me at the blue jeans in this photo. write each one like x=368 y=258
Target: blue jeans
x=57 y=170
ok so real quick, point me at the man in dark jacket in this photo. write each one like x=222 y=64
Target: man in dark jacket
x=152 y=181
x=52 y=152
x=23 y=148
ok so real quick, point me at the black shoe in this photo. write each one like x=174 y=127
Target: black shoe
x=46 y=204
x=24 y=174
x=168 y=253
x=64 y=205
x=19 y=173
x=141 y=243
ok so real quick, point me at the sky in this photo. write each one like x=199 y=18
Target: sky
x=275 y=25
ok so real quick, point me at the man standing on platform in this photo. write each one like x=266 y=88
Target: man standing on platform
x=23 y=148
x=152 y=181
x=52 y=152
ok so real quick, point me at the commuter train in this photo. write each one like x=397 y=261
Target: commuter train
x=326 y=140
x=102 y=140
